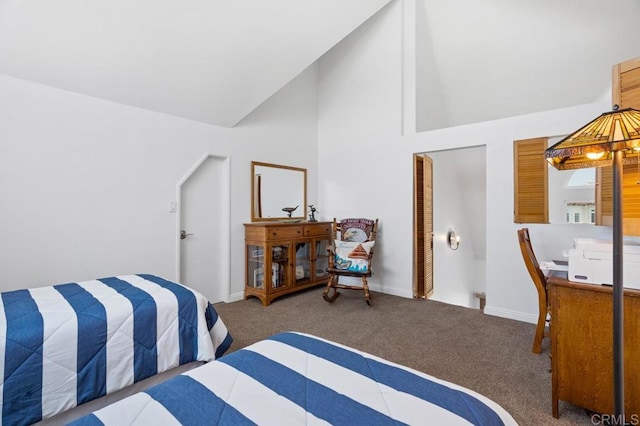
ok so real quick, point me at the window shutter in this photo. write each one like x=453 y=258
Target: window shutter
x=530 y=181
x=626 y=84
x=418 y=226
x=604 y=196
x=626 y=94
x=423 y=226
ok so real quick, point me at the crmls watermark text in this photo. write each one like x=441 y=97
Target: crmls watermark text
x=615 y=420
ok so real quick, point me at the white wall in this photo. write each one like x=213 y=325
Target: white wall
x=500 y=59
x=85 y=184
x=509 y=289
x=431 y=110
x=366 y=167
x=359 y=117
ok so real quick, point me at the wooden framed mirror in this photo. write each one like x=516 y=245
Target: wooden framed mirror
x=278 y=192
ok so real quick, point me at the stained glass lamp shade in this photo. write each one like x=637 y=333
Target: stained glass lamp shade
x=593 y=145
x=612 y=139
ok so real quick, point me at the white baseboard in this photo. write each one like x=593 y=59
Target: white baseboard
x=506 y=313
x=235 y=297
x=393 y=291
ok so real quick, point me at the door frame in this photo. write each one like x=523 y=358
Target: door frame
x=225 y=239
x=445 y=264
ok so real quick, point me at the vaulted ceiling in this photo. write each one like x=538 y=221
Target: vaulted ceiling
x=207 y=60
x=499 y=58
x=217 y=60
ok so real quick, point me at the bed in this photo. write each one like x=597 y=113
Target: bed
x=296 y=378
x=67 y=344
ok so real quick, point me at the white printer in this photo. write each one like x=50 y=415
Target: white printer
x=591 y=261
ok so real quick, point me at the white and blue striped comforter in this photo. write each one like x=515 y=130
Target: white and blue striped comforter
x=67 y=344
x=298 y=379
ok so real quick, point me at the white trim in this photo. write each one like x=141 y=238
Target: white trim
x=393 y=291
x=408 y=81
x=235 y=297
x=225 y=242
x=514 y=315
x=225 y=239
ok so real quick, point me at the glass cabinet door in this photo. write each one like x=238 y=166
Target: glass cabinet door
x=303 y=262
x=321 y=259
x=280 y=266
x=255 y=266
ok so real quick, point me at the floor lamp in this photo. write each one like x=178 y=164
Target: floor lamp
x=612 y=139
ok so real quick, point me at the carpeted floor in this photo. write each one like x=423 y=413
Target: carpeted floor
x=487 y=354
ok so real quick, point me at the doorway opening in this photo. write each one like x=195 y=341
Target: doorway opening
x=457 y=202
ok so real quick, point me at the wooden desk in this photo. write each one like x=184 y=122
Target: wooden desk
x=581 y=346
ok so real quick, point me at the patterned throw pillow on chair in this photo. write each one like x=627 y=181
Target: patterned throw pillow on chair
x=356 y=229
x=353 y=256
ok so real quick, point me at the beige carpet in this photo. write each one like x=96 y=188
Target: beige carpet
x=487 y=354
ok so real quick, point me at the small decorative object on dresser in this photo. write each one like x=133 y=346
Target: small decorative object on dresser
x=295 y=253
x=289 y=210
x=312 y=213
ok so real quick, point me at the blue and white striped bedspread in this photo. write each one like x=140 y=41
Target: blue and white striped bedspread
x=67 y=344
x=298 y=379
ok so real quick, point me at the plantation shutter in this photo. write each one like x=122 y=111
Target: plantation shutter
x=423 y=226
x=530 y=181
x=626 y=94
x=626 y=84
x=428 y=226
x=604 y=196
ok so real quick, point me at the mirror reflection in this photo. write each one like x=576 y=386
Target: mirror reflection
x=572 y=194
x=278 y=192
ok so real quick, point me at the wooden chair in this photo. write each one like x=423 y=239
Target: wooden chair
x=540 y=281
x=350 y=255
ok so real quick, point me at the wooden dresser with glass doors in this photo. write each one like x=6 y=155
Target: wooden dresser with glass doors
x=284 y=257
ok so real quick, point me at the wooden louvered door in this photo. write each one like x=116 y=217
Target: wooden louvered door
x=626 y=94
x=530 y=181
x=423 y=226
x=626 y=84
x=630 y=198
x=604 y=196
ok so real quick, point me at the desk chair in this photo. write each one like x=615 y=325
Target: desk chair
x=540 y=281
x=350 y=255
